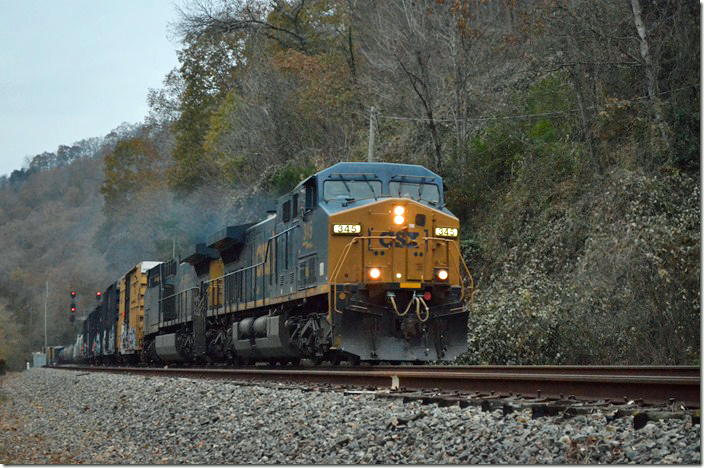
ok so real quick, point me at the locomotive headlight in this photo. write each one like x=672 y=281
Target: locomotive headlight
x=374 y=273
x=441 y=274
x=446 y=232
x=346 y=228
x=398 y=211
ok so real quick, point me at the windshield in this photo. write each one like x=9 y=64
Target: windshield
x=416 y=191
x=351 y=189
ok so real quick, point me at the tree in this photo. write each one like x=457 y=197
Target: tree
x=11 y=339
x=249 y=73
x=131 y=167
x=441 y=64
x=208 y=66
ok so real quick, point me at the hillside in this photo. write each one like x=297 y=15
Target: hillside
x=603 y=273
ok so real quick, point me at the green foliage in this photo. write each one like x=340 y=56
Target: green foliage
x=549 y=95
x=525 y=151
x=686 y=136
x=489 y=162
x=209 y=64
x=12 y=342
x=604 y=274
x=294 y=61
x=469 y=244
x=285 y=178
x=131 y=167
x=309 y=27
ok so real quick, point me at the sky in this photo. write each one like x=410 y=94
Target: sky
x=76 y=69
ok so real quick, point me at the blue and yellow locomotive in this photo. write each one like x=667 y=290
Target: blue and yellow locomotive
x=360 y=261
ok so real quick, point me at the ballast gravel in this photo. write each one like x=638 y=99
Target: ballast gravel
x=66 y=417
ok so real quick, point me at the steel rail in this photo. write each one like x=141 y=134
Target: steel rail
x=645 y=384
x=676 y=371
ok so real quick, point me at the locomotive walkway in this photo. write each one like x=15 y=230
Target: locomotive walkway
x=644 y=385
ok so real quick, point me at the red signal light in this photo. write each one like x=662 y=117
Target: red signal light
x=98 y=295
x=73 y=294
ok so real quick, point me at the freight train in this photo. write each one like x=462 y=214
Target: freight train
x=359 y=262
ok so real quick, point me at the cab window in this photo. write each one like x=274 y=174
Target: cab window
x=416 y=191
x=286 y=211
x=295 y=206
x=351 y=189
x=310 y=197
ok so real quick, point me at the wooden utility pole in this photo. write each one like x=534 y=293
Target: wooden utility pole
x=46 y=298
x=370 y=151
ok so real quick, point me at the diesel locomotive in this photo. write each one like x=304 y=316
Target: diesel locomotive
x=359 y=261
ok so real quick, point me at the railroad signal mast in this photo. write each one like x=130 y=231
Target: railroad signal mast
x=72 y=317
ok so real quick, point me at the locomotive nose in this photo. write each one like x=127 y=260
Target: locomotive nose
x=396 y=285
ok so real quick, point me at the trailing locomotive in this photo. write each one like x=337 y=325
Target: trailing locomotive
x=360 y=261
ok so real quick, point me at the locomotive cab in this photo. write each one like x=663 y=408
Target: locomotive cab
x=398 y=283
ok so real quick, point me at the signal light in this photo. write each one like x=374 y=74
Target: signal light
x=375 y=273
x=72 y=318
x=98 y=295
x=73 y=307
x=73 y=294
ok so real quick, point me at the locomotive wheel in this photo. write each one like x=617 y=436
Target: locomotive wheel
x=243 y=361
x=335 y=358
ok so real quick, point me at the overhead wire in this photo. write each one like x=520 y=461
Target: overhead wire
x=522 y=116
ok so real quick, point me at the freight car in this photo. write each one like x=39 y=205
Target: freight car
x=113 y=330
x=360 y=261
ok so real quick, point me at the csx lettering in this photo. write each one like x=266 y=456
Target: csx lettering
x=402 y=239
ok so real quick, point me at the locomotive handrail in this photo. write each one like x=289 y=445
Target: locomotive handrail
x=466 y=268
x=332 y=297
x=178 y=312
x=176 y=294
x=266 y=256
x=256 y=265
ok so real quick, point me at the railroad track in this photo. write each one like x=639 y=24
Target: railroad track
x=645 y=385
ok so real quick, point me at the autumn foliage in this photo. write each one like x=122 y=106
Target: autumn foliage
x=566 y=131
